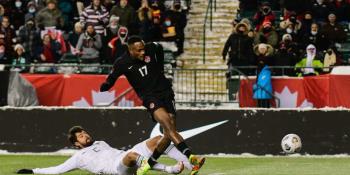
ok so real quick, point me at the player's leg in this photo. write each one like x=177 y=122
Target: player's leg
x=168 y=124
x=132 y=159
x=171 y=151
x=174 y=153
x=162 y=110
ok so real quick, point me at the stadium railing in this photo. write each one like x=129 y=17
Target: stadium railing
x=194 y=87
x=208 y=13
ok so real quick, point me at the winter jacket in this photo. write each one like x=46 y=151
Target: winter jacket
x=49 y=18
x=178 y=19
x=320 y=11
x=270 y=37
x=239 y=47
x=127 y=15
x=99 y=18
x=334 y=33
x=89 y=45
x=266 y=59
x=55 y=49
x=19 y=62
x=319 y=40
x=263 y=87
x=6 y=37
x=286 y=55
x=316 y=64
x=30 y=39
x=259 y=18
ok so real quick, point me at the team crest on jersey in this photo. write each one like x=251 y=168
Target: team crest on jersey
x=151 y=105
x=147 y=59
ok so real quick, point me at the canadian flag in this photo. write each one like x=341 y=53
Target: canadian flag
x=288 y=99
x=102 y=98
x=293 y=92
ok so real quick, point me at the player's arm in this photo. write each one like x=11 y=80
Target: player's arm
x=112 y=77
x=159 y=55
x=68 y=165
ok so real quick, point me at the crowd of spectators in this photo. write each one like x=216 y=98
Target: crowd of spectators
x=308 y=33
x=93 y=31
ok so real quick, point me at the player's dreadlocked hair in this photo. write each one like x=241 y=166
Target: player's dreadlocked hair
x=71 y=133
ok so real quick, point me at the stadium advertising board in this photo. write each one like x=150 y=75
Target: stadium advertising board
x=207 y=131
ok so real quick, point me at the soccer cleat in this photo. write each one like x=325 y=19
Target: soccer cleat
x=197 y=163
x=144 y=168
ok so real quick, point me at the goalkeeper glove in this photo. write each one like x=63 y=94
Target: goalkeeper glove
x=25 y=171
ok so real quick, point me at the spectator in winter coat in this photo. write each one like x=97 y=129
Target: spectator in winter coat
x=118 y=44
x=292 y=29
x=264 y=14
x=341 y=8
x=155 y=30
x=316 y=37
x=7 y=36
x=89 y=44
x=320 y=10
x=29 y=37
x=50 y=16
x=291 y=20
x=111 y=32
x=306 y=23
x=264 y=55
x=67 y=9
x=17 y=12
x=97 y=15
x=287 y=55
x=179 y=20
x=291 y=26
x=112 y=28
x=239 y=46
x=32 y=10
x=126 y=14
x=144 y=14
x=262 y=90
x=310 y=65
x=331 y=58
x=74 y=36
x=19 y=61
x=333 y=31
x=168 y=30
x=267 y=34
x=50 y=50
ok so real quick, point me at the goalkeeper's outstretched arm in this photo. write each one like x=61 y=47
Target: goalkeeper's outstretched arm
x=68 y=165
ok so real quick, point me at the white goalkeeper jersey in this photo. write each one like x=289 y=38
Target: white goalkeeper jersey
x=99 y=158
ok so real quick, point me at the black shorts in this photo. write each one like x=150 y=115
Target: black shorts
x=152 y=103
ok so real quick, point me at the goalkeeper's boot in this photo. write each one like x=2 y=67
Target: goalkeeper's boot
x=144 y=168
x=197 y=163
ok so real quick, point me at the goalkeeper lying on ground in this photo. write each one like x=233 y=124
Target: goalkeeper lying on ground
x=99 y=158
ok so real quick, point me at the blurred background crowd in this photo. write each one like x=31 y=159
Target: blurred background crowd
x=94 y=31
x=298 y=33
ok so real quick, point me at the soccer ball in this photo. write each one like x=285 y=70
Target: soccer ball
x=291 y=143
